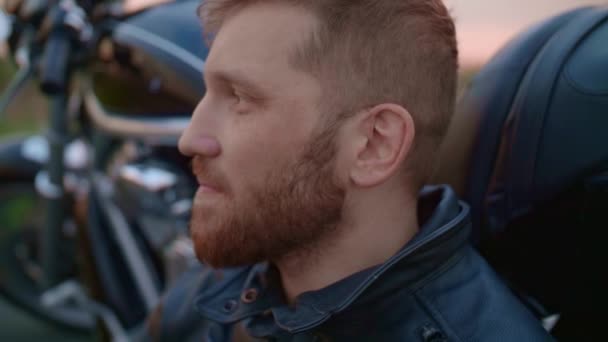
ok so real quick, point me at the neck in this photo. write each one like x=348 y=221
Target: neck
x=367 y=236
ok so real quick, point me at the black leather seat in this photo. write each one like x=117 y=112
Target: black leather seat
x=528 y=149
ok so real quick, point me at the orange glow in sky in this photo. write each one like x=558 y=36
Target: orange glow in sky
x=485 y=25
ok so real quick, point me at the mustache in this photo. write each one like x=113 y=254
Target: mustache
x=197 y=166
x=204 y=174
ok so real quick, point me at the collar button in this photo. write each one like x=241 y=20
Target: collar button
x=249 y=296
x=230 y=305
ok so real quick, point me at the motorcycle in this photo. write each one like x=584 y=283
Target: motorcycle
x=94 y=213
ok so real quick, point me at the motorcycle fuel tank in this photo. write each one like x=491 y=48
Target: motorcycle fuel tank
x=151 y=64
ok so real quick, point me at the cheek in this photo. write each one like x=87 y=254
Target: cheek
x=254 y=144
x=251 y=152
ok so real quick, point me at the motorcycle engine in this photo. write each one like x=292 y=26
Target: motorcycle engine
x=154 y=189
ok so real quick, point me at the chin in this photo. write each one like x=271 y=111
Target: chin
x=206 y=200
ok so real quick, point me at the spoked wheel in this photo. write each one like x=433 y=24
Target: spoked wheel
x=22 y=218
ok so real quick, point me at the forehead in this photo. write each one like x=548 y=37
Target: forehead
x=260 y=38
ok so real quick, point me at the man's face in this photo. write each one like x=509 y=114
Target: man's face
x=263 y=160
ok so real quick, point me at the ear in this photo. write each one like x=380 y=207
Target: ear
x=385 y=135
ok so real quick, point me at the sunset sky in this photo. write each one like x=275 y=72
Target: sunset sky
x=485 y=25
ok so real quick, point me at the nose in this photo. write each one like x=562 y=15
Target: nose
x=197 y=139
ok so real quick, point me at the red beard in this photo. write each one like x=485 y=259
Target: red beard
x=295 y=208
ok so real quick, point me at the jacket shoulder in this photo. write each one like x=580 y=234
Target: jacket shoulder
x=468 y=299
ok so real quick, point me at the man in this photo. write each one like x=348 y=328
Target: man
x=311 y=146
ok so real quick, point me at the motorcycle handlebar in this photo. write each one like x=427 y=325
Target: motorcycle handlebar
x=55 y=62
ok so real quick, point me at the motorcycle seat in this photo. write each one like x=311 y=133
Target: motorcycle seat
x=527 y=149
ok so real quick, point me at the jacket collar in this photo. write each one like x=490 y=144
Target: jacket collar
x=443 y=234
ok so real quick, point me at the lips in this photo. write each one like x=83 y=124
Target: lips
x=207 y=183
x=207 y=187
x=207 y=194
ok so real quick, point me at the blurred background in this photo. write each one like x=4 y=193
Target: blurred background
x=483 y=27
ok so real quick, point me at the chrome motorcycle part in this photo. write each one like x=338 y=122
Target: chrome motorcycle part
x=178 y=257
x=46 y=188
x=35 y=148
x=146 y=128
x=72 y=183
x=155 y=197
x=76 y=155
x=139 y=266
x=72 y=291
x=152 y=179
x=5 y=26
x=181 y=207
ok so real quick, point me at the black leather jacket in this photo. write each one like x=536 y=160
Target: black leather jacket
x=436 y=288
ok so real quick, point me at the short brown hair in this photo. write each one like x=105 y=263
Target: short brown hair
x=368 y=52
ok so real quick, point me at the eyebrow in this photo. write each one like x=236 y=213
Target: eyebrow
x=237 y=78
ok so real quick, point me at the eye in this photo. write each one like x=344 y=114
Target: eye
x=242 y=102
x=237 y=96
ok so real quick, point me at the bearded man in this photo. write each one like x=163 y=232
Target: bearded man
x=317 y=131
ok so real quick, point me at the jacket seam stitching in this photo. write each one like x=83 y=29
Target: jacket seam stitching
x=449 y=229
x=426 y=305
x=444 y=267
